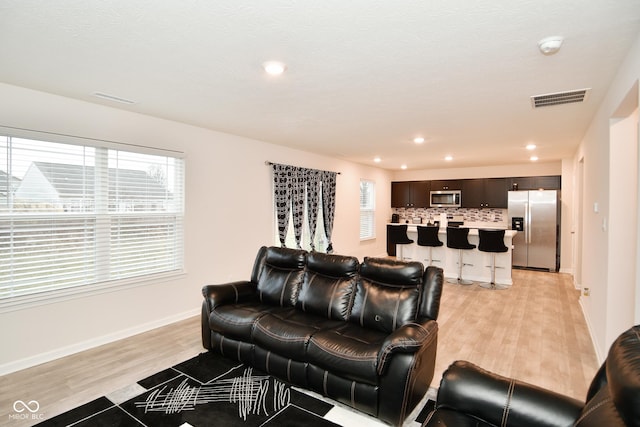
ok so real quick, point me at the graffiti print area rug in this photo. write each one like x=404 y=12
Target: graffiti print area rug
x=210 y=390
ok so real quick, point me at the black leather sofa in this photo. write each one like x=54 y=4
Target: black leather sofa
x=470 y=396
x=363 y=334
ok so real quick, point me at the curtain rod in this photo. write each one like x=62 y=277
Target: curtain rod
x=268 y=163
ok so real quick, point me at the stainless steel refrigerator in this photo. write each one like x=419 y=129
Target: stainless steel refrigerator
x=535 y=215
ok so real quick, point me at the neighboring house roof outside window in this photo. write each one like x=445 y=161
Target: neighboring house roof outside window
x=8 y=183
x=70 y=185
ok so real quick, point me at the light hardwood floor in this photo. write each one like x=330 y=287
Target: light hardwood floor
x=534 y=331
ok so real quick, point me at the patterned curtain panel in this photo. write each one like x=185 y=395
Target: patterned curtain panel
x=328 y=205
x=314 y=178
x=298 y=178
x=289 y=184
x=282 y=182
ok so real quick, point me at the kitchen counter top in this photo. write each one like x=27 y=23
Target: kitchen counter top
x=473 y=231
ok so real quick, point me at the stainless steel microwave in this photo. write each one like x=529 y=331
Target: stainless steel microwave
x=445 y=199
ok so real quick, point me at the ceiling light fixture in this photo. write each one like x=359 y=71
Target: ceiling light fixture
x=531 y=147
x=448 y=158
x=550 y=45
x=533 y=158
x=377 y=159
x=274 y=68
x=403 y=167
x=418 y=140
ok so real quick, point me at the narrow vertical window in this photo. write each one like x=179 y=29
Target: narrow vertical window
x=367 y=209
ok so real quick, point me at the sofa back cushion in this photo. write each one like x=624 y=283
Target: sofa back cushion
x=281 y=276
x=387 y=294
x=328 y=286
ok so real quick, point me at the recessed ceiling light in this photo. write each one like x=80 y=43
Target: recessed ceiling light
x=377 y=159
x=403 y=166
x=533 y=158
x=448 y=158
x=418 y=140
x=274 y=68
x=531 y=146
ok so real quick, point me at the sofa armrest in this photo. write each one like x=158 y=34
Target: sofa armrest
x=498 y=400
x=234 y=292
x=408 y=338
x=216 y=295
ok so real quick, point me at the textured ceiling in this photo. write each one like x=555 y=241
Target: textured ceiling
x=364 y=76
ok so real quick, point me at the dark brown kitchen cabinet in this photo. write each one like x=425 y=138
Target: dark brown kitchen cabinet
x=547 y=182
x=400 y=194
x=472 y=193
x=447 y=184
x=410 y=194
x=484 y=193
x=495 y=193
x=519 y=183
x=551 y=182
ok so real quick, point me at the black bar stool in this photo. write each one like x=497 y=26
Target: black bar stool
x=492 y=241
x=428 y=236
x=457 y=238
x=397 y=235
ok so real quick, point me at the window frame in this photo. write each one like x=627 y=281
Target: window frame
x=369 y=211
x=45 y=294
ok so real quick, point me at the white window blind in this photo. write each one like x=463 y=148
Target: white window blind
x=77 y=217
x=367 y=209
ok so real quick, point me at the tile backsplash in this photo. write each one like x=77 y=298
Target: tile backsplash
x=471 y=215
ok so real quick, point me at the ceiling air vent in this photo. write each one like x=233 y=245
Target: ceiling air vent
x=559 y=98
x=113 y=98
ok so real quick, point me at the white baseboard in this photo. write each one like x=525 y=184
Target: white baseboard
x=600 y=357
x=48 y=356
x=566 y=270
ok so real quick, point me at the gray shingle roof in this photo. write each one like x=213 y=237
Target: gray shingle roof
x=75 y=180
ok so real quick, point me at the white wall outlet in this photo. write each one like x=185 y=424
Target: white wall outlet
x=596 y=208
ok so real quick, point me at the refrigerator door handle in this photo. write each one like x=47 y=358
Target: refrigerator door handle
x=527 y=221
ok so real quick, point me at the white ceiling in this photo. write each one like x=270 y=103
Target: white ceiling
x=364 y=76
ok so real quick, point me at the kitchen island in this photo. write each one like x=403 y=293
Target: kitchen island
x=447 y=259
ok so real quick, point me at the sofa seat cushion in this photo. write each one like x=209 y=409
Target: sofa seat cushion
x=348 y=350
x=237 y=320
x=287 y=332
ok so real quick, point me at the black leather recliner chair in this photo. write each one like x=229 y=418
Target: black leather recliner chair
x=471 y=396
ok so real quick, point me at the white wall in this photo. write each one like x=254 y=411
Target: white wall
x=597 y=249
x=229 y=215
x=623 y=158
